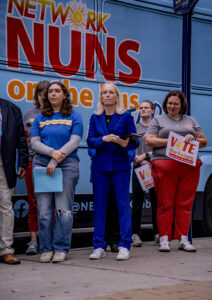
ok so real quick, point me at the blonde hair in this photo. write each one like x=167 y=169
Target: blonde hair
x=119 y=107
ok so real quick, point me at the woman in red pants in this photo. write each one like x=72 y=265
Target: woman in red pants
x=175 y=182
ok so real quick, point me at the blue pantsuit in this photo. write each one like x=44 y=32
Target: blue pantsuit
x=102 y=181
x=111 y=165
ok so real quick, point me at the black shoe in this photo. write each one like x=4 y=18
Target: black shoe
x=114 y=247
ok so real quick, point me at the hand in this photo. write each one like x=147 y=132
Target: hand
x=189 y=138
x=50 y=169
x=139 y=158
x=145 y=162
x=110 y=138
x=58 y=155
x=21 y=172
x=121 y=142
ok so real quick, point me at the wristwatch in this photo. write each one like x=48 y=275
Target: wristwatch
x=148 y=157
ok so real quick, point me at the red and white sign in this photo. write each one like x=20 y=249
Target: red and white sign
x=145 y=177
x=180 y=150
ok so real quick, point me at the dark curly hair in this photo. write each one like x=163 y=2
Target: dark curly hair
x=182 y=98
x=40 y=87
x=66 y=108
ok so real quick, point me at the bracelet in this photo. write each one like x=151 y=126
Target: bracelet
x=147 y=156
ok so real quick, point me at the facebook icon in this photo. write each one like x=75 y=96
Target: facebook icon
x=21 y=208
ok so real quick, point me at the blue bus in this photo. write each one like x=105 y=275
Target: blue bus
x=135 y=44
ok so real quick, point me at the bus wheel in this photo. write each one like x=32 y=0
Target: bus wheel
x=207 y=206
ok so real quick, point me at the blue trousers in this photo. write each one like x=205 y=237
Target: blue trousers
x=101 y=183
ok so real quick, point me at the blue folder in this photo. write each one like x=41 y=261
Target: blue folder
x=44 y=183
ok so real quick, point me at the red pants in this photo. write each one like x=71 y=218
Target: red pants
x=175 y=185
x=32 y=216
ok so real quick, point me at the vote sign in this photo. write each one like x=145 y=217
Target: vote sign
x=180 y=150
x=145 y=177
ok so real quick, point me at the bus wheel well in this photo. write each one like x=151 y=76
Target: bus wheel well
x=207 y=206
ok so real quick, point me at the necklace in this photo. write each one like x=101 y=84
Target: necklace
x=108 y=119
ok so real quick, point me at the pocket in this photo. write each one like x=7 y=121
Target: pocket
x=198 y=163
x=40 y=160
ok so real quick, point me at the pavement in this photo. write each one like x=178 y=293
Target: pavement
x=148 y=274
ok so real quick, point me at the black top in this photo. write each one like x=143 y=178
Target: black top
x=108 y=119
x=13 y=138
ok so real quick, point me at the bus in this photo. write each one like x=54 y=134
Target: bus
x=135 y=44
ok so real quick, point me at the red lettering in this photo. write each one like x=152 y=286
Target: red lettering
x=16 y=33
x=59 y=11
x=27 y=7
x=129 y=61
x=54 y=52
x=173 y=141
x=185 y=146
x=107 y=67
x=141 y=175
x=20 y=7
x=43 y=8
x=191 y=148
x=91 y=19
x=101 y=20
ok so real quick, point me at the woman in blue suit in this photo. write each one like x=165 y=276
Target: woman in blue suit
x=108 y=131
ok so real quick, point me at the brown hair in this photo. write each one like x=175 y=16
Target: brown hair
x=150 y=103
x=40 y=87
x=66 y=108
x=182 y=98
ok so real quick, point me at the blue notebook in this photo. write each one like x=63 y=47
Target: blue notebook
x=44 y=183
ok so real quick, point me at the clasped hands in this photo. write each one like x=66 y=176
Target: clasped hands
x=57 y=155
x=115 y=139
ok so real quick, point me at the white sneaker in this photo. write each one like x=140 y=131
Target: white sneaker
x=156 y=240
x=185 y=245
x=123 y=254
x=164 y=244
x=136 y=241
x=46 y=257
x=59 y=257
x=97 y=254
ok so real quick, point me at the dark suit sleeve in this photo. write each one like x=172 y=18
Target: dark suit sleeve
x=93 y=140
x=23 y=155
x=133 y=144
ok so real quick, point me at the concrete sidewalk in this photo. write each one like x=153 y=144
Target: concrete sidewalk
x=196 y=290
x=148 y=274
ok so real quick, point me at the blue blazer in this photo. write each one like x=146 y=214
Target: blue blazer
x=110 y=156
